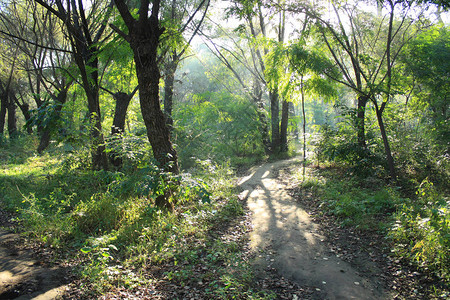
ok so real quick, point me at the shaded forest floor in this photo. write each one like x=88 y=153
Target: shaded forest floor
x=286 y=248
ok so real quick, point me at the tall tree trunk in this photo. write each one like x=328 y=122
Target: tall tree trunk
x=263 y=123
x=157 y=131
x=143 y=37
x=275 y=120
x=3 y=108
x=99 y=158
x=158 y=134
x=387 y=148
x=122 y=102
x=360 y=122
x=284 y=126
x=12 y=120
x=169 y=80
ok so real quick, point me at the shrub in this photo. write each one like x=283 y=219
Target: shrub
x=421 y=231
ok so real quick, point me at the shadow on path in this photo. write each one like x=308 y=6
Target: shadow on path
x=23 y=277
x=291 y=240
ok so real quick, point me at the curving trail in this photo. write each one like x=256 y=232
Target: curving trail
x=297 y=250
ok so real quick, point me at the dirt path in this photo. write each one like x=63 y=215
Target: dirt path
x=291 y=241
x=24 y=277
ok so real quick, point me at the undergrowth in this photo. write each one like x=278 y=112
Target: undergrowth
x=106 y=221
x=417 y=228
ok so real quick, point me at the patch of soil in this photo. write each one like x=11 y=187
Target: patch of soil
x=23 y=273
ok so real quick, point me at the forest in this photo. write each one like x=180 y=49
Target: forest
x=205 y=149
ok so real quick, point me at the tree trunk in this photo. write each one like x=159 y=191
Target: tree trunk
x=169 y=80
x=12 y=120
x=3 y=108
x=158 y=134
x=284 y=126
x=45 y=134
x=263 y=125
x=120 y=112
x=87 y=61
x=275 y=112
x=118 y=127
x=144 y=44
x=25 y=109
x=387 y=148
x=148 y=75
x=143 y=37
x=360 y=122
x=304 y=127
x=99 y=158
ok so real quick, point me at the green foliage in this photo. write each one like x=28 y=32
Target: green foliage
x=217 y=126
x=133 y=149
x=426 y=62
x=366 y=208
x=312 y=65
x=107 y=220
x=338 y=144
x=422 y=231
x=417 y=228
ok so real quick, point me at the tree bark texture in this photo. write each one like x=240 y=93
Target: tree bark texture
x=122 y=102
x=3 y=108
x=148 y=77
x=143 y=37
x=275 y=121
x=360 y=122
x=387 y=148
x=169 y=80
x=284 y=126
x=12 y=120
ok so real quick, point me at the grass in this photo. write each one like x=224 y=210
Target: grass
x=416 y=228
x=364 y=204
x=107 y=223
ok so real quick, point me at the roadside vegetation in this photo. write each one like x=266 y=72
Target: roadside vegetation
x=410 y=214
x=106 y=224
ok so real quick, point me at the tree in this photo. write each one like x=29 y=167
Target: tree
x=365 y=51
x=252 y=57
x=46 y=58
x=426 y=63
x=310 y=65
x=7 y=100
x=175 y=46
x=144 y=35
x=86 y=34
